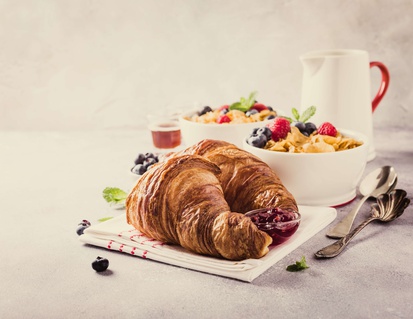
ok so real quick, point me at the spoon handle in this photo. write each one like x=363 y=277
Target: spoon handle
x=343 y=227
x=336 y=248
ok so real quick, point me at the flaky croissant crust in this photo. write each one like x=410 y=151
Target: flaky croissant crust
x=181 y=201
x=248 y=182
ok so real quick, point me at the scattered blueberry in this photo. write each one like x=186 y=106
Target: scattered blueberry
x=224 y=111
x=257 y=140
x=139 y=169
x=143 y=162
x=100 y=264
x=251 y=112
x=85 y=221
x=139 y=159
x=82 y=226
x=149 y=161
x=266 y=131
x=150 y=155
x=270 y=108
x=270 y=117
x=205 y=110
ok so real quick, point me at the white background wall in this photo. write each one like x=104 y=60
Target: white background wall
x=104 y=64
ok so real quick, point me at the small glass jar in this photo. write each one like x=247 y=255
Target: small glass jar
x=277 y=223
x=165 y=131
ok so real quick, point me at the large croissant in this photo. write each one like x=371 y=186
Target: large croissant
x=248 y=183
x=180 y=201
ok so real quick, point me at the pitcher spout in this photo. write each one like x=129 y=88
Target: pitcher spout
x=311 y=64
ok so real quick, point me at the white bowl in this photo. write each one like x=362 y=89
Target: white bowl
x=194 y=132
x=319 y=179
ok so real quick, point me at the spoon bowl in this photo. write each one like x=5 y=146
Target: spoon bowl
x=387 y=208
x=378 y=182
x=390 y=206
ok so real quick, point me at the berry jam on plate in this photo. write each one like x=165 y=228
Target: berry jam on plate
x=277 y=223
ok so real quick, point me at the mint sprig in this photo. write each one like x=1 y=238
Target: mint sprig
x=244 y=104
x=304 y=117
x=114 y=195
x=298 y=266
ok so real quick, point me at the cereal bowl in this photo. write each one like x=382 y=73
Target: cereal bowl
x=194 y=132
x=319 y=179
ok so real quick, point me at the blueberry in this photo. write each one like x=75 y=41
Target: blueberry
x=310 y=127
x=149 y=161
x=85 y=221
x=254 y=131
x=100 y=264
x=150 y=155
x=139 y=159
x=139 y=169
x=257 y=140
x=81 y=228
x=224 y=111
x=299 y=125
x=270 y=108
x=270 y=117
x=205 y=110
x=251 y=112
x=266 y=131
x=305 y=133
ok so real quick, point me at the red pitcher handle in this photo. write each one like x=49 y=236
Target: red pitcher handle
x=385 y=80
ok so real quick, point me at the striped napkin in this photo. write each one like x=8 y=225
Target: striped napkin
x=117 y=234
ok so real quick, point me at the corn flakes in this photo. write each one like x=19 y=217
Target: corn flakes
x=296 y=142
x=235 y=116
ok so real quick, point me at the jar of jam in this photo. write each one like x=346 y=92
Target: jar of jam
x=279 y=224
x=165 y=134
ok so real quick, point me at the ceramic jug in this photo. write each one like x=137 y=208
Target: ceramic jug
x=337 y=82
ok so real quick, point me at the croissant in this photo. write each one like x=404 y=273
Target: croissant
x=248 y=182
x=181 y=201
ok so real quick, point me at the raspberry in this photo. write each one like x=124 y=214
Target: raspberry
x=259 y=107
x=327 y=129
x=224 y=107
x=280 y=127
x=223 y=119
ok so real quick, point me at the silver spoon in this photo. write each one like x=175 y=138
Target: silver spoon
x=388 y=207
x=379 y=181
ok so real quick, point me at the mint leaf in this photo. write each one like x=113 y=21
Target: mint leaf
x=237 y=106
x=244 y=104
x=307 y=114
x=114 y=195
x=298 y=266
x=251 y=99
x=295 y=114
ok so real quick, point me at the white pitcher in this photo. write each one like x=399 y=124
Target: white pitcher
x=337 y=82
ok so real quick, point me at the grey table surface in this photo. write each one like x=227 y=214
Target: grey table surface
x=52 y=180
